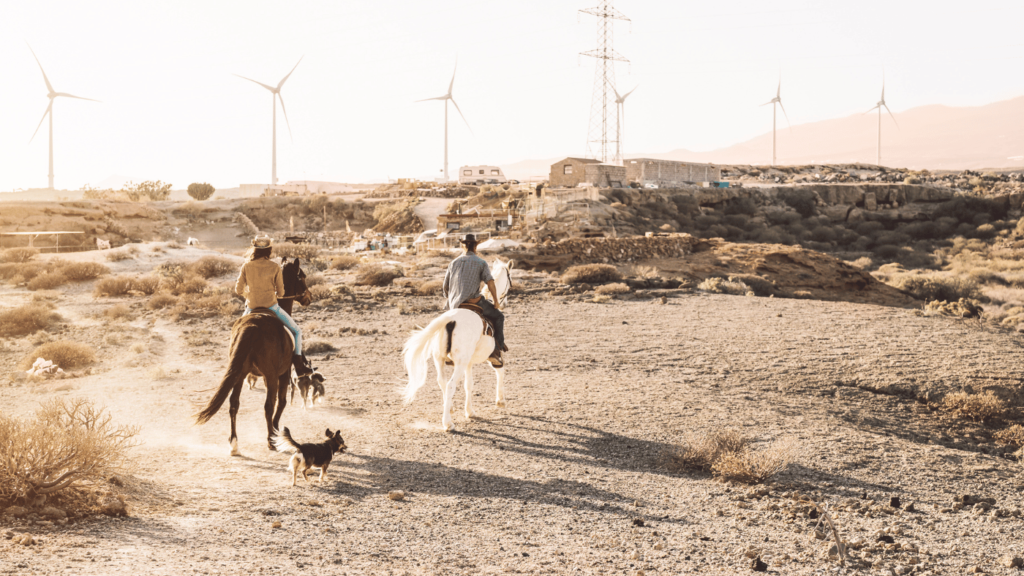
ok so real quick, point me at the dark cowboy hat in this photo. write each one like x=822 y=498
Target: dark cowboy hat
x=469 y=240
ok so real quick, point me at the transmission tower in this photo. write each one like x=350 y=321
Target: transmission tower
x=604 y=78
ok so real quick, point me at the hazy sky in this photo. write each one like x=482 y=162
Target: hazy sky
x=171 y=109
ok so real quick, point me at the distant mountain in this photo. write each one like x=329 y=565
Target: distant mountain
x=934 y=137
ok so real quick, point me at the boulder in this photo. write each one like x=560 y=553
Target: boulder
x=113 y=506
x=16 y=511
x=52 y=513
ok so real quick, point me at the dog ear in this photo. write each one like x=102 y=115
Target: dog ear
x=328 y=433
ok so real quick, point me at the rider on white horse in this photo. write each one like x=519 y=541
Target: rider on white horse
x=462 y=284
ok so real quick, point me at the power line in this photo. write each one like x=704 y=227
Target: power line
x=604 y=77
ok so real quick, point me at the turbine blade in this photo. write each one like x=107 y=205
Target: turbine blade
x=891 y=116
x=626 y=95
x=452 y=83
x=778 y=91
x=281 y=83
x=463 y=118
x=784 y=114
x=278 y=95
x=45 y=79
x=41 y=122
x=445 y=97
x=618 y=97
x=873 y=109
x=271 y=88
x=65 y=94
x=768 y=102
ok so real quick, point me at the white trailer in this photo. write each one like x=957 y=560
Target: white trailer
x=478 y=175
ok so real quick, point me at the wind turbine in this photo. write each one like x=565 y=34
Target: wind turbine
x=620 y=120
x=773 y=102
x=446 y=98
x=275 y=95
x=49 y=110
x=881 y=104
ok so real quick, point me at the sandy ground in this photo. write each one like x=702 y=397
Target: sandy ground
x=559 y=481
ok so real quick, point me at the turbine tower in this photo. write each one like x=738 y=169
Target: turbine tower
x=275 y=96
x=881 y=104
x=620 y=120
x=446 y=98
x=604 y=78
x=51 y=94
x=773 y=102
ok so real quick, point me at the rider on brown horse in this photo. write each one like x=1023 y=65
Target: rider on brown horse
x=261 y=283
x=462 y=285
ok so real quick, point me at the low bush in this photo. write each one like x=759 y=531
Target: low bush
x=317 y=347
x=65 y=354
x=314 y=280
x=118 y=312
x=1012 y=436
x=730 y=456
x=616 y=288
x=18 y=255
x=428 y=287
x=602 y=298
x=321 y=292
x=212 y=266
x=977 y=407
x=344 y=262
x=758 y=285
x=113 y=286
x=82 y=271
x=20 y=272
x=47 y=281
x=591 y=274
x=69 y=442
x=27 y=319
x=943 y=288
x=146 y=284
x=161 y=300
x=699 y=451
x=301 y=251
x=376 y=275
x=723 y=286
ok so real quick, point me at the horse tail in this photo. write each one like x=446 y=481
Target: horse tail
x=415 y=353
x=234 y=373
x=283 y=442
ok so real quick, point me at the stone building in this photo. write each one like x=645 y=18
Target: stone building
x=605 y=175
x=570 y=172
x=669 y=173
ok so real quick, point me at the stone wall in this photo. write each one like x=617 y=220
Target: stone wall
x=663 y=173
x=620 y=249
x=559 y=179
x=605 y=175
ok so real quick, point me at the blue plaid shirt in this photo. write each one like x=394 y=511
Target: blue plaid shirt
x=463 y=278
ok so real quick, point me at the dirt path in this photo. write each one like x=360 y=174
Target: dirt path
x=428 y=209
x=558 y=481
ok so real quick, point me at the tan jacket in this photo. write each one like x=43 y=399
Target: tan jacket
x=261 y=282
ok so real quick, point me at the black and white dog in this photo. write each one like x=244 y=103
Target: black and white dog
x=306 y=456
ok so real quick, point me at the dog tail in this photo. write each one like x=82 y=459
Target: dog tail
x=283 y=442
x=415 y=353
x=242 y=342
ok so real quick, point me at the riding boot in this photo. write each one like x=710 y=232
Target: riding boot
x=302 y=367
x=495 y=358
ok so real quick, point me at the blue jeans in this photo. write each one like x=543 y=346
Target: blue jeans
x=288 y=323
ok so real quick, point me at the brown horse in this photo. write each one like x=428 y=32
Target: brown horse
x=260 y=345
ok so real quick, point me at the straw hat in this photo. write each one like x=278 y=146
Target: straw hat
x=262 y=242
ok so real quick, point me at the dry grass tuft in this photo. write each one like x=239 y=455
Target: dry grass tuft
x=161 y=300
x=729 y=455
x=64 y=353
x=1012 y=436
x=321 y=292
x=212 y=266
x=27 y=319
x=642 y=272
x=344 y=262
x=601 y=299
x=124 y=253
x=18 y=255
x=114 y=286
x=428 y=287
x=376 y=275
x=591 y=274
x=315 y=279
x=977 y=407
x=118 y=312
x=20 y=272
x=942 y=288
x=70 y=441
x=617 y=288
x=82 y=271
x=723 y=286
x=47 y=281
x=317 y=347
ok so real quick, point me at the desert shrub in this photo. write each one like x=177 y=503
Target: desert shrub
x=977 y=407
x=200 y=191
x=428 y=287
x=69 y=442
x=212 y=266
x=722 y=286
x=117 y=312
x=27 y=319
x=601 y=298
x=737 y=220
x=320 y=292
x=190 y=284
x=317 y=347
x=148 y=284
x=699 y=451
x=823 y=234
x=18 y=254
x=944 y=288
x=800 y=200
x=81 y=271
x=376 y=275
x=65 y=354
x=887 y=251
x=869 y=228
x=591 y=274
x=47 y=281
x=863 y=263
x=20 y=272
x=314 y=280
x=641 y=271
x=745 y=206
x=685 y=204
x=344 y=262
x=113 y=286
x=216 y=303
x=118 y=255
x=616 y=288
x=911 y=180
x=782 y=217
x=756 y=466
x=301 y=251
x=760 y=286
x=705 y=221
x=1012 y=436
x=985 y=231
x=161 y=300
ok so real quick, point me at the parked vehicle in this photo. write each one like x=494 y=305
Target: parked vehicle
x=479 y=175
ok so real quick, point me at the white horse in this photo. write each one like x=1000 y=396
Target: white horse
x=469 y=346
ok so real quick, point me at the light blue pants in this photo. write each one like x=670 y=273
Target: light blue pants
x=288 y=322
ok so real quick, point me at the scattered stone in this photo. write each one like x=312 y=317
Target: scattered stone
x=25 y=540
x=885 y=538
x=659 y=546
x=638 y=522
x=276 y=524
x=894 y=501
x=1011 y=561
x=113 y=506
x=975 y=570
x=758 y=565
x=909 y=507
x=116 y=481
x=396 y=495
x=16 y=511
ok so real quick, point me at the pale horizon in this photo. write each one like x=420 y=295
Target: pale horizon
x=171 y=108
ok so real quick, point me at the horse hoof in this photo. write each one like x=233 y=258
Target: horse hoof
x=448 y=428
